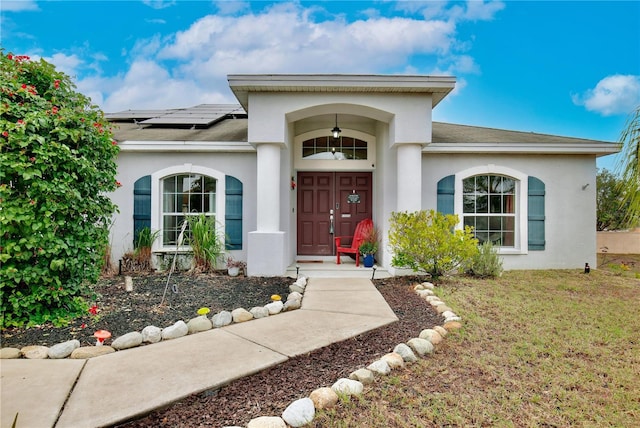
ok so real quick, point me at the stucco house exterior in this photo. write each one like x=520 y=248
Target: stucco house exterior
x=281 y=186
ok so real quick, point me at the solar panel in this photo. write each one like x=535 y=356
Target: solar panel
x=135 y=114
x=203 y=115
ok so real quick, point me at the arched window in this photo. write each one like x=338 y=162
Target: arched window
x=489 y=206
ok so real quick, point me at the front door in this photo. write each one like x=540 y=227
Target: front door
x=344 y=195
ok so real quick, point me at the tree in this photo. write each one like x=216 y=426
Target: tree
x=426 y=241
x=57 y=164
x=629 y=167
x=611 y=202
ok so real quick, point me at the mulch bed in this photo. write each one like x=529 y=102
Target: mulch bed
x=266 y=393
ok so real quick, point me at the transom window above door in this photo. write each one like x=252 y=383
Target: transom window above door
x=341 y=148
x=489 y=206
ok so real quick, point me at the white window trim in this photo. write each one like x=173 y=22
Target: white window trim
x=521 y=226
x=156 y=198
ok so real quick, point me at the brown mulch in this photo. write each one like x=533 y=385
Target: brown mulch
x=266 y=393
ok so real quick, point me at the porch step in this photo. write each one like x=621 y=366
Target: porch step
x=319 y=268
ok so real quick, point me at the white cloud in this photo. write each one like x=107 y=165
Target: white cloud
x=616 y=94
x=19 y=6
x=68 y=64
x=159 y=4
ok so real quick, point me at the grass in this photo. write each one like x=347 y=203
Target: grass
x=538 y=348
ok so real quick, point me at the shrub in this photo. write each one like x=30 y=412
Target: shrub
x=486 y=263
x=427 y=242
x=206 y=241
x=57 y=156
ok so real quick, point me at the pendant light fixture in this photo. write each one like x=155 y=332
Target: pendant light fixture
x=336 y=131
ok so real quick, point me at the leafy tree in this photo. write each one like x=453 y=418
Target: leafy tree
x=426 y=241
x=57 y=163
x=610 y=201
x=629 y=167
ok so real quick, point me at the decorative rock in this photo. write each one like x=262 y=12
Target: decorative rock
x=432 y=299
x=394 y=360
x=430 y=335
x=406 y=353
x=241 y=315
x=35 y=352
x=420 y=346
x=221 y=319
x=324 y=398
x=380 y=367
x=363 y=376
x=443 y=332
x=198 y=324
x=294 y=296
x=267 y=422
x=9 y=353
x=302 y=282
x=436 y=303
x=151 y=334
x=63 y=350
x=424 y=293
x=452 y=319
x=428 y=285
x=449 y=325
x=86 y=352
x=126 y=341
x=442 y=309
x=178 y=329
x=291 y=305
x=348 y=387
x=259 y=312
x=448 y=314
x=295 y=288
x=299 y=413
x=274 y=307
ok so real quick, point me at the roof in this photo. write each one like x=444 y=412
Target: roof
x=220 y=124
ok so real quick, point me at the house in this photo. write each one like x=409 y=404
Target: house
x=281 y=186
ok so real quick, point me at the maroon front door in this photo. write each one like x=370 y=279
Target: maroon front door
x=344 y=195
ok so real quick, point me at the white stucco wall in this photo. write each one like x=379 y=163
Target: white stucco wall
x=570 y=207
x=134 y=165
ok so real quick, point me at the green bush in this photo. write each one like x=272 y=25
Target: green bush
x=428 y=242
x=486 y=263
x=206 y=241
x=57 y=158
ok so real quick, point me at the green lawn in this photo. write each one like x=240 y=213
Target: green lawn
x=538 y=348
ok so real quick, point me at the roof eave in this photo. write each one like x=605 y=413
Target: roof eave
x=597 y=149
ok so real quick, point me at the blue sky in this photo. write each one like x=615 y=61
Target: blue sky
x=565 y=68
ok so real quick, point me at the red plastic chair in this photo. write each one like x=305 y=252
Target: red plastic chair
x=358 y=235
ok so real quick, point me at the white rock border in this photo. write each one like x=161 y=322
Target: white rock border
x=178 y=329
x=402 y=355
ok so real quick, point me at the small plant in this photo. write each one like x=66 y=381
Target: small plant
x=486 y=263
x=140 y=259
x=369 y=245
x=231 y=263
x=206 y=241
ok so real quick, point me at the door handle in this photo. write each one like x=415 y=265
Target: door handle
x=331 y=231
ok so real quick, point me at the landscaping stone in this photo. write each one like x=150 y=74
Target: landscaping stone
x=324 y=398
x=241 y=315
x=363 y=376
x=126 y=341
x=294 y=296
x=35 y=352
x=443 y=332
x=198 y=324
x=430 y=335
x=432 y=299
x=259 y=312
x=348 y=387
x=151 y=334
x=428 y=285
x=267 y=422
x=451 y=319
x=63 y=350
x=274 y=307
x=436 y=303
x=295 y=288
x=405 y=351
x=420 y=346
x=447 y=314
x=424 y=293
x=9 y=353
x=221 y=319
x=394 y=360
x=179 y=329
x=291 y=305
x=442 y=309
x=299 y=413
x=380 y=367
x=86 y=352
x=452 y=325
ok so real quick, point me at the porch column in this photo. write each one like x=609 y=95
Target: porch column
x=409 y=191
x=266 y=245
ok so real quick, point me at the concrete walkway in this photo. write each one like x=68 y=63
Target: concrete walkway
x=115 y=387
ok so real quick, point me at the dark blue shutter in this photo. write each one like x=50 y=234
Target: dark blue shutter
x=233 y=213
x=536 y=214
x=446 y=191
x=141 y=205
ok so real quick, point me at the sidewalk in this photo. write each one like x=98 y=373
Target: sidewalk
x=116 y=387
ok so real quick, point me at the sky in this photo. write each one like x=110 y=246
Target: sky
x=567 y=68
